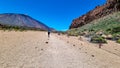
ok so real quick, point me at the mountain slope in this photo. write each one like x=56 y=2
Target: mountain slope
x=21 y=20
x=109 y=24
x=100 y=11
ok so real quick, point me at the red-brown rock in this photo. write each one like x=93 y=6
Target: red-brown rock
x=100 y=11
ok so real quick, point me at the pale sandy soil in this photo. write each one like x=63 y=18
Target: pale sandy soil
x=21 y=49
x=30 y=50
x=106 y=57
x=111 y=46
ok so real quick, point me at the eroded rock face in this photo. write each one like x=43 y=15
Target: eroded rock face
x=100 y=11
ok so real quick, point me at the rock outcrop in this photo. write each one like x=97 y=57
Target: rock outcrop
x=100 y=11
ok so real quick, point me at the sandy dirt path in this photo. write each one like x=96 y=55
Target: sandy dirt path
x=61 y=55
x=31 y=50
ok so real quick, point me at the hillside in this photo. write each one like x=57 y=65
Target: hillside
x=21 y=20
x=109 y=7
x=109 y=24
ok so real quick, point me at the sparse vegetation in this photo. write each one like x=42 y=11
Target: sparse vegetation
x=116 y=36
x=72 y=32
x=60 y=32
x=17 y=28
x=108 y=25
x=118 y=41
x=98 y=39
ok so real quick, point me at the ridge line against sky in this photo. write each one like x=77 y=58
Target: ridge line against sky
x=57 y=14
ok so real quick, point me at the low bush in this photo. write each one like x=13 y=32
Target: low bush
x=118 y=41
x=116 y=29
x=72 y=34
x=116 y=37
x=98 y=39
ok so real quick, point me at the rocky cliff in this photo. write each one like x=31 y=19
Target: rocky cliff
x=100 y=11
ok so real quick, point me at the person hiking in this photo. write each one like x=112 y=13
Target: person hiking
x=48 y=33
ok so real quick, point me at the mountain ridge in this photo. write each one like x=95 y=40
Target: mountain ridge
x=16 y=19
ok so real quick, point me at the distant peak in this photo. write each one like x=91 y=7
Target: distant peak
x=15 y=19
x=14 y=14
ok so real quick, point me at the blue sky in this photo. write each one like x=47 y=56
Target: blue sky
x=54 y=13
